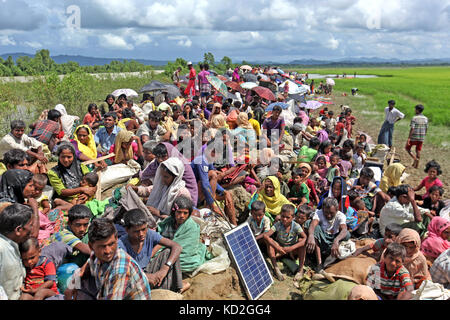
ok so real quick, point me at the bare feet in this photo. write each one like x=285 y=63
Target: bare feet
x=186 y=286
x=278 y=274
x=298 y=275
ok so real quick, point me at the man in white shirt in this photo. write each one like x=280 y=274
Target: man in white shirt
x=392 y=115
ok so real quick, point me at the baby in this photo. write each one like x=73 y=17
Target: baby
x=89 y=180
x=40 y=280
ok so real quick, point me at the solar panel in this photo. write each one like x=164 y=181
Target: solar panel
x=252 y=268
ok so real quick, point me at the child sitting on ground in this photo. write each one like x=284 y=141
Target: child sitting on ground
x=303 y=214
x=390 y=234
x=433 y=169
x=359 y=159
x=40 y=181
x=390 y=279
x=359 y=219
x=40 y=280
x=298 y=192
x=289 y=239
x=258 y=222
x=433 y=201
x=333 y=170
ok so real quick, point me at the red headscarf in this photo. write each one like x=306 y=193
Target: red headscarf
x=434 y=244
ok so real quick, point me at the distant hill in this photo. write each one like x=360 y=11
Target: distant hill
x=83 y=60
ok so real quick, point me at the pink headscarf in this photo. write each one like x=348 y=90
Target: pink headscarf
x=434 y=244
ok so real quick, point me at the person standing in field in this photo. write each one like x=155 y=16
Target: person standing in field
x=387 y=130
x=191 y=83
x=419 y=127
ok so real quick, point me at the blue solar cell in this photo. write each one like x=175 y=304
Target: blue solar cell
x=252 y=268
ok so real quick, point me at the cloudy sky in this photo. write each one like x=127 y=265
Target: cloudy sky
x=277 y=30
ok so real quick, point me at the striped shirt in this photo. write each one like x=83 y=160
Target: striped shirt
x=388 y=285
x=419 y=126
x=440 y=270
x=120 y=279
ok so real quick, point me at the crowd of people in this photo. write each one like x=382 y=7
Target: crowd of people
x=307 y=175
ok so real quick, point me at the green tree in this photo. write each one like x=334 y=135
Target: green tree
x=226 y=61
x=209 y=59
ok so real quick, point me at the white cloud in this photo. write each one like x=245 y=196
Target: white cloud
x=7 y=41
x=33 y=44
x=140 y=39
x=182 y=41
x=112 y=41
x=332 y=43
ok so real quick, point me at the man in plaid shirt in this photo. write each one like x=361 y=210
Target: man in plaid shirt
x=47 y=131
x=440 y=270
x=117 y=275
x=419 y=126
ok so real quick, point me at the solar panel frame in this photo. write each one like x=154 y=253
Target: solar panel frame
x=246 y=259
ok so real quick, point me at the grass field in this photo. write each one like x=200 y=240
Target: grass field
x=407 y=86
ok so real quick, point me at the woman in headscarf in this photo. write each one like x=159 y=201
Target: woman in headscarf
x=67 y=121
x=182 y=229
x=188 y=176
x=270 y=194
x=235 y=77
x=391 y=176
x=128 y=147
x=16 y=186
x=66 y=176
x=107 y=105
x=438 y=238
x=338 y=190
x=85 y=147
x=167 y=186
x=415 y=261
x=244 y=130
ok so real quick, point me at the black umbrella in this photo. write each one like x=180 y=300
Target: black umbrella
x=172 y=91
x=153 y=86
x=249 y=77
x=297 y=97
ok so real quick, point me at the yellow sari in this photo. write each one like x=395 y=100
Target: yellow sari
x=89 y=150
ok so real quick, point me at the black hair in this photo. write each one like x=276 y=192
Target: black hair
x=13 y=216
x=79 y=211
x=28 y=244
x=64 y=146
x=91 y=178
x=91 y=107
x=14 y=156
x=155 y=116
x=277 y=108
x=109 y=96
x=330 y=112
x=392 y=191
x=297 y=172
x=17 y=124
x=110 y=114
x=101 y=229
x=298 y=119
x=434 y=188
x=352 y=195
x=420 y=108
x=288 y=208
x=314 y=142
x=395 y=250
x=160 y=150
x=306 y=210
x=127 y=113
x=333 y=136
x=394 y=228
x=53 y=115
x=433 y=164
x=401 y=190
x=258 y=205
x=206 y=66
x=237 y=104
x=367 y=172
x=182 y=202
x=391 y=102
x=323 y=145
x=134 y=218
x=348 y=143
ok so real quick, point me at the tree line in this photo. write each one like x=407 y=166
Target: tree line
x=42 y=64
